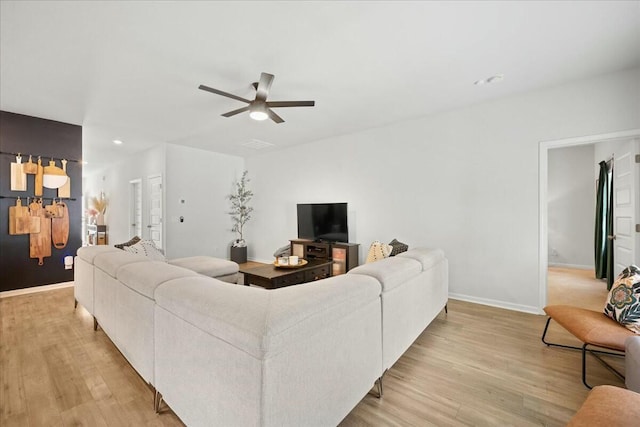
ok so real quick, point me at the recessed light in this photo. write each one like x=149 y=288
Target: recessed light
x=117 y=142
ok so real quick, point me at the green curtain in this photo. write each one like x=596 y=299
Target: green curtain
x=604 y=226
x=609 y=221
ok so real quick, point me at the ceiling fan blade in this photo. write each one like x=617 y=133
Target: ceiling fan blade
x=279 y=104
x=263 y=86
x=234 y=112
x=219 y=92
x=276 y=118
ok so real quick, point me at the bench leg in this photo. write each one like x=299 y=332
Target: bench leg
x=584 y=349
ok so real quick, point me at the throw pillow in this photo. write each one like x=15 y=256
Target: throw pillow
x=378 y=251
x=623 y=301
x=398 y=247
x=146 y=248
x=133 y=241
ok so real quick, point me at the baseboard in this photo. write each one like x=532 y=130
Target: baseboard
x=32 y=290
x=576 y=266
x=496 y=303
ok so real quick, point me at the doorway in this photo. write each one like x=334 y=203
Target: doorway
x=155 y=225
x=632 y=137
x=135 y=207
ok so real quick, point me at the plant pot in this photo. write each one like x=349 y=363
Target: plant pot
x=239 y=254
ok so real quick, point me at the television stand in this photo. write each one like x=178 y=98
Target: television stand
x=344 y=256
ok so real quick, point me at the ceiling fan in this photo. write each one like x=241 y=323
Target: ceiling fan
x=259 y=108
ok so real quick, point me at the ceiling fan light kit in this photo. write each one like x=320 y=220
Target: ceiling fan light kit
x=258 y=112
x=259 y=108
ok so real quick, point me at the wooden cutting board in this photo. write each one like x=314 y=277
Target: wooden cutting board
x=16 y=213
x=65 y=190
x=40 y=243
x=39 y=178
x=18 y=177
x=30 y=167
x=60 y=227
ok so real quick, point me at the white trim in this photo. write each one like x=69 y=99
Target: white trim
x=35 y=289
x=497 y=303
x=576 y=266
x=543 y=156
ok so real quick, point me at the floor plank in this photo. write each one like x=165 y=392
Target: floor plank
x=476 y=365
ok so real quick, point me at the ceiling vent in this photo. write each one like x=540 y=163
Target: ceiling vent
x=256 y=144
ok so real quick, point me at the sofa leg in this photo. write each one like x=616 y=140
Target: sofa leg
x=379 y=383
x=157 y=401
x=75 y=304
x=95 y=323
x=446 y=309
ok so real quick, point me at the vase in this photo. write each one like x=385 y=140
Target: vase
x=100 y=219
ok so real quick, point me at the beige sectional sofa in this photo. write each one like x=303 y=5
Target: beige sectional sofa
x=222 y=354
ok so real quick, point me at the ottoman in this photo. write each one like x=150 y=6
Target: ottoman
x=220 y=269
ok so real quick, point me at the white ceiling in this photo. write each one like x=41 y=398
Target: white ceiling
x=130 y=70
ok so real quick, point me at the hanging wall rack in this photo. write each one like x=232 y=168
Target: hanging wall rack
x=44 y=157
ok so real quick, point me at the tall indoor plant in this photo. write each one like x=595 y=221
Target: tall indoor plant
x=240 y=214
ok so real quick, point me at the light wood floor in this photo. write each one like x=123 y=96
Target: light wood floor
x=477 y=365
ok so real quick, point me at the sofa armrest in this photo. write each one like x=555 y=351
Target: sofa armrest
x=632 y=363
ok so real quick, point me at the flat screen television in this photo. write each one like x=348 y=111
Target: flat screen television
x=325 y=222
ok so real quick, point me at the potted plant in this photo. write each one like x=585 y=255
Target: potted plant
x=240 y=214
x=100 y=205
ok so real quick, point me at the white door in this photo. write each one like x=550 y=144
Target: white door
x=135 y=207
x=155 y=210
x=626 y=184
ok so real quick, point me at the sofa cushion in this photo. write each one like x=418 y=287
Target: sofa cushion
x=263 y=322
x=131 y=242
x=378 y=251
x=207 y=266
x=428 y=257
x=146 y=248
x=390 y=272
x=110 y=262
x=145 y=277
x=398 y=247
x=88 y=253
x=623 y=301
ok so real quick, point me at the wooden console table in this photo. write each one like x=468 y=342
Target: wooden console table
x=343 y=255
x=270 y=277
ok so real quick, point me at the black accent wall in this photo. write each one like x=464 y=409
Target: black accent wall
x=49 y=139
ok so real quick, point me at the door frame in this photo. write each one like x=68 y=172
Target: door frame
x=543 y=182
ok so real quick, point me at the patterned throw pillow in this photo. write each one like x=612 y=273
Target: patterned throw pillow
x=398 y=247
x=133 y=241
x=378 y=251
x=623 y=301
x=146 y=248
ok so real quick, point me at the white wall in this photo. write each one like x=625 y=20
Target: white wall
x=201 y=178
x=114 y=181
x=465 y=181
x=571 y=206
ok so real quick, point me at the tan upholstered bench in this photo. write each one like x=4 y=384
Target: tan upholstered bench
x=594 y=329
x=608 y=406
